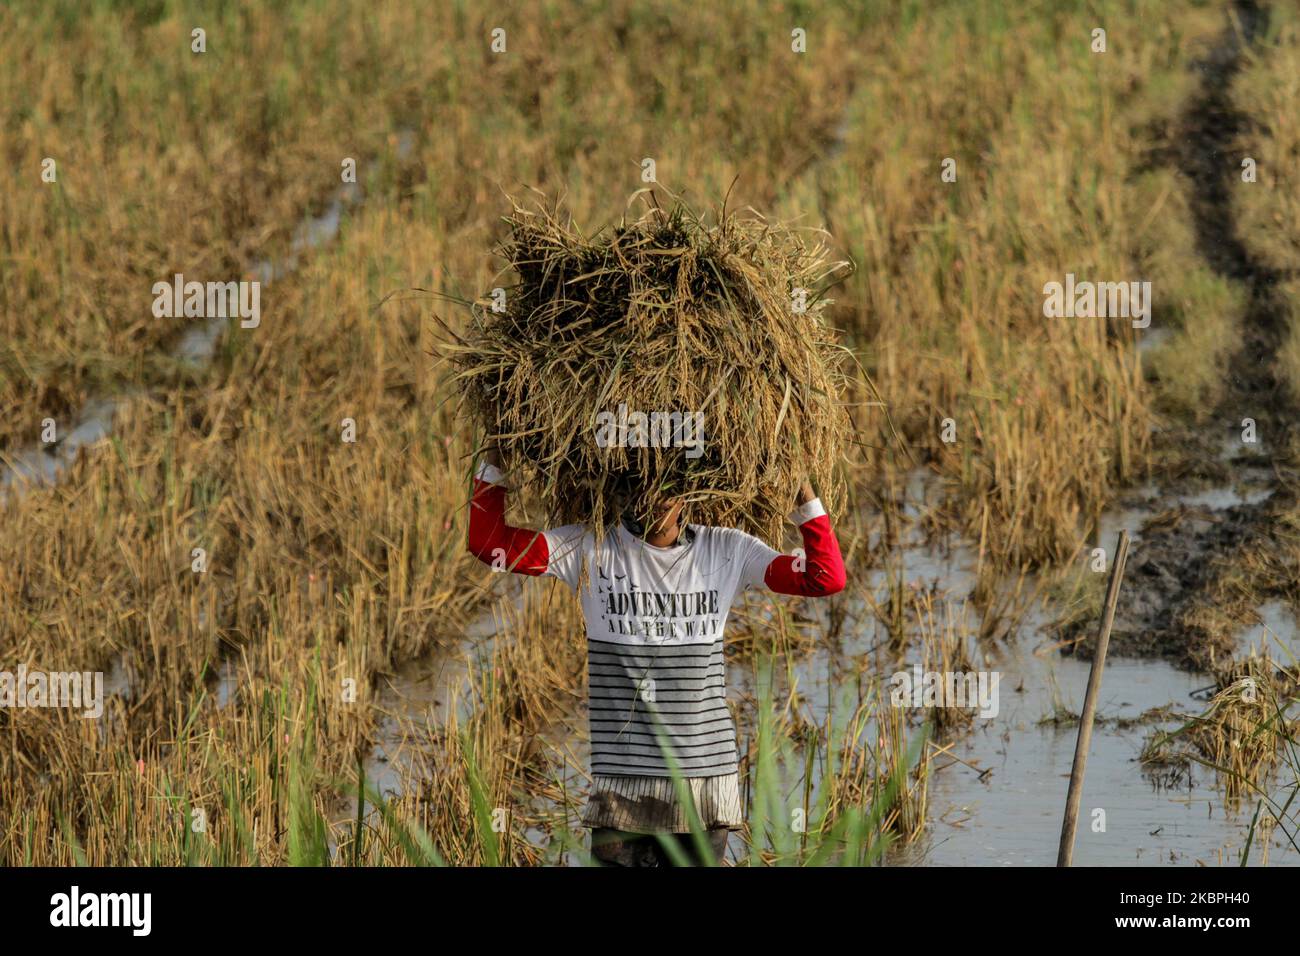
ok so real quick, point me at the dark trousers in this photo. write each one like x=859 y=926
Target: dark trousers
x=623 y=848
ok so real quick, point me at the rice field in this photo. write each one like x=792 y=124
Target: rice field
x=256 y=530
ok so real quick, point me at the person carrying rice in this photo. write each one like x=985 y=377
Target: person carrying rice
x=655 y=601
x=686 y=319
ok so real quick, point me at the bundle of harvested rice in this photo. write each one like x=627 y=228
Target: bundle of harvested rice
x=666 y=358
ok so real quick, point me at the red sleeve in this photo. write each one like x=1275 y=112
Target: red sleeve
x=822 y=571
x=494 y=542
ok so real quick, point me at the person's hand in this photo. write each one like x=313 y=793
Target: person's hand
x=805 y=494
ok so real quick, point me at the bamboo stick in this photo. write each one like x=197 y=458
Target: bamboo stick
x=1075 y=793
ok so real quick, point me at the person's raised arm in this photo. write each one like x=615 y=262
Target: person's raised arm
x=820 y=570
x=491 y=539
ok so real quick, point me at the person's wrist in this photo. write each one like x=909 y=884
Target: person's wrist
x=807 y=511
x=488 y=471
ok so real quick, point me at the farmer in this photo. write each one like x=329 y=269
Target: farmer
x=655 y=600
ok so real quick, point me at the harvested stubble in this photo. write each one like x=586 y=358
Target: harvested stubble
x=1245 y=732
x=665 y=314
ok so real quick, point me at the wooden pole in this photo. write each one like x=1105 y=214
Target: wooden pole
x=1075 y=794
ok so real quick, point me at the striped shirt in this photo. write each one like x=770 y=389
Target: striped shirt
x=655 y=619
x=641 y=697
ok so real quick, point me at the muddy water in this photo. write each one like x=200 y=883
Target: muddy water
x=1011 y=814
x=423 y=694
x=43 y=464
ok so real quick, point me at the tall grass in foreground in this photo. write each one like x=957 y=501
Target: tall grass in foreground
x=842 y=804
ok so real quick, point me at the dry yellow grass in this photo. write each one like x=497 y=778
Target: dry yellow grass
x=332 y=560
